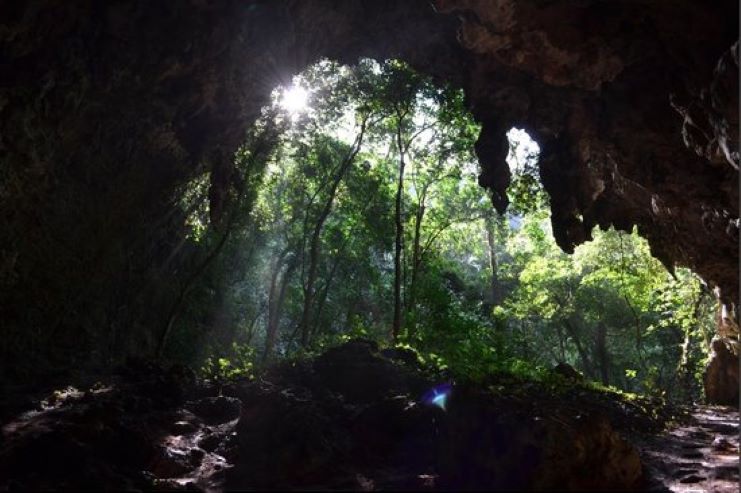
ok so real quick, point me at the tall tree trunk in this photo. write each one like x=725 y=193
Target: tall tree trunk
x=398 y=245
x=276 y=298
x=305 y=323
x=601 y=354
x=270 y=328
x=311 y=279
x=586 y=363
x=325 y=288
x=561 y=348
x=416 y=252
x=634 y=312
x=250 y=332
x=496 y=296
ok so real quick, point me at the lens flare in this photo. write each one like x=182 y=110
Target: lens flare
x=438 y=396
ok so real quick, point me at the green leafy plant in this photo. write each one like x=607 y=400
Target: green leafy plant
x=239 y=363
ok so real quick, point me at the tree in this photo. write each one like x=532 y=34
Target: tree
x=343 y=166
x=369 y=221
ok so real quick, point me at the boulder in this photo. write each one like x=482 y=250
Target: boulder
x=357 y=371
x=568 y=372
x=515 y=450
x=285 y=441
x=216 y=410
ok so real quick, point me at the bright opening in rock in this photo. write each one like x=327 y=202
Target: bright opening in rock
x=371 y=205
x=523 y=152
x=198 y=293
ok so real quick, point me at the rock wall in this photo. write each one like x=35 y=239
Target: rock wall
x=635 y=107
x=107 y=108
x=721 y=374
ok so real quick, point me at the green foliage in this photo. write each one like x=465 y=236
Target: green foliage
x=525 y=191
x=238 y=363
x=483 y=294
x=611 y=282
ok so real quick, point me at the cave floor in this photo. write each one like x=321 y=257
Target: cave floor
x=331 y=423
x=702 y=456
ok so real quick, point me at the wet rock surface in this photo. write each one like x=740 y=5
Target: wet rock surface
x=133 y=432
x=104 y=435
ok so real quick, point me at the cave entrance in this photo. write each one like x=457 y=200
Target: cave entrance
x=341 y=217
x=355 y=212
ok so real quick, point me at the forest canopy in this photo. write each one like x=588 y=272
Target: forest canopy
x=355 y=211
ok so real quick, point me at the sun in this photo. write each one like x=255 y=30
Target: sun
x=295 y=100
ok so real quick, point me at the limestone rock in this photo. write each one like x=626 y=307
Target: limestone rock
x=721 y=375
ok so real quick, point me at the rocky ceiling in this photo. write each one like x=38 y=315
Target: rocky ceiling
x=110 y=106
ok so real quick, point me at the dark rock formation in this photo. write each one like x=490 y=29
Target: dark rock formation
x=327 y=436
x=721 y=377
x=133 y=432
x=354 y=371
x=216 y=410
x=107 y=108
x=635 y=110
x=517 y=451
x=296 y=430
x=568 y=372
x=97 y=438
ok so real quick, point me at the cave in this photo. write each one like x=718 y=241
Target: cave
x=107 y=110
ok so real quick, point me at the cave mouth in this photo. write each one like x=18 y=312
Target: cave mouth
x=303 y=254
x=278 y=283
x=77 y=271
x=445 y=346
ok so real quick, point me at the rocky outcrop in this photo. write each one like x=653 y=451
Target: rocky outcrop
x=572 y=452
x=341 y=431
x=107 y=109
x=721 y=374
x=101 y=436
x=636 y=113
x=721 y=377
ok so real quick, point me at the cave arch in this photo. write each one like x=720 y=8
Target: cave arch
x=109 y=108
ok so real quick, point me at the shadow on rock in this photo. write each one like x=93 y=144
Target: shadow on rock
x=354 y=419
